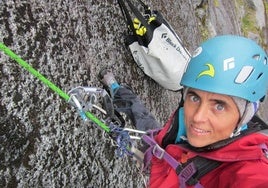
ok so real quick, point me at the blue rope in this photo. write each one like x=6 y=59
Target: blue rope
x=122 y=139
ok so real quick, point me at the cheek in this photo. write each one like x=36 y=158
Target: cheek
x=225 y=125
x=232 y=118
x=231 y=123
x=188 y=113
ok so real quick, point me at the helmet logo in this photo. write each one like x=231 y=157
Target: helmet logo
x=228 y=64
x=209 y=72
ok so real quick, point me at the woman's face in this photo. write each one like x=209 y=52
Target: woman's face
x=209 y=117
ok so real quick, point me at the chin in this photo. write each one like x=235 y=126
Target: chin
x=197 y=144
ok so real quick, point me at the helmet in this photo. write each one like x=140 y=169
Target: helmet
x=230 y=65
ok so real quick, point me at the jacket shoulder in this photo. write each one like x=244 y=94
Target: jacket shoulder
x=264 y=132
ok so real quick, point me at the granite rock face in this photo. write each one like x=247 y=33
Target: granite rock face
x=43 y=142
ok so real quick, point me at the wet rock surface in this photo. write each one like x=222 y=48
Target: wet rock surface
x=43 y=142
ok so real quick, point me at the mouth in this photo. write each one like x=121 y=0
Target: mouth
x=198 y=131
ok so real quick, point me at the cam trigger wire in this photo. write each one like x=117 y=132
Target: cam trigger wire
x=85 y=99
x=79 y=107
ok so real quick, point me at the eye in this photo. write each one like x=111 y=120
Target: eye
x=219 y=107
x=194 y=98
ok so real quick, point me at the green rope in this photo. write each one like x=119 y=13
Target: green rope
x=52 y=86
x=34 y=72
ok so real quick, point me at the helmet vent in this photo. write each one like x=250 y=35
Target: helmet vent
x=244 y=74
x=265 y=61
x=259 y=75
x=257 y=57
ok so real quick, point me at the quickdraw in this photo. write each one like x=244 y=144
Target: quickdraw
x=87 y=99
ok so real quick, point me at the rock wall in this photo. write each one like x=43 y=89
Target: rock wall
x=43 y=142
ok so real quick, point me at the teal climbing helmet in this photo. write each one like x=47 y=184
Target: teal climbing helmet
x=230 y=65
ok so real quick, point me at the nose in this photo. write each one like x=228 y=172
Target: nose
x=201 y=113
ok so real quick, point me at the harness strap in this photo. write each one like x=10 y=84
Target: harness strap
x=203 y=165
x=158 y=152
x=185 y=172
